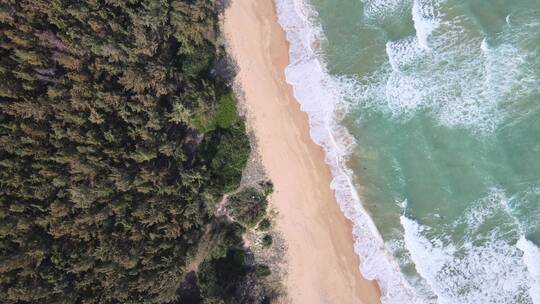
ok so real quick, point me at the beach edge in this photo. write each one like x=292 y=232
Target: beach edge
x=322 y=266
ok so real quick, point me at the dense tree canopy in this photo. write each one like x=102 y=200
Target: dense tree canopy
x=117 y=140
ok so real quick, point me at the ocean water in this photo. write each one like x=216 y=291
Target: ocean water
x=429 y=112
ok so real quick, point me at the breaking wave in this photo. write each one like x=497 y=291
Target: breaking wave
x=321 y=97
x=451 y=70
x=492 y=262
x=461 y=78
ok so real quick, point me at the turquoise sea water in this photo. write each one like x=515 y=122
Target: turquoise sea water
x=442 y=101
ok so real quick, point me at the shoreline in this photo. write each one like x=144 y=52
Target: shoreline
x=322 y=266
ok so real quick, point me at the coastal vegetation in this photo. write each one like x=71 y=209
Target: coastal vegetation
x=248 y=206
x=264 y=224
x=119 y=137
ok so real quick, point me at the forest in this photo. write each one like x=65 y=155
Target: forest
x=119 y=137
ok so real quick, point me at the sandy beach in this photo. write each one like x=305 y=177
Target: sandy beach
x=321 y=264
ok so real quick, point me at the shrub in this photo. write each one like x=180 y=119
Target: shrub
x=266 y=241
x=228 y=151
x=264 y=224
x=223 y=116
x=248 y=206
x=262 y=271
x=220 y=278
x=226 y=112
x=267 y=187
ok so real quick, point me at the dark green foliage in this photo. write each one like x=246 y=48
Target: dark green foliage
x=219 y=278
x=233 y=279
x=223 y=116
x=189 y=291
x=228 y=273
x=198 y=60
x=225 y=235
x=264 y=224
x=262 y=271
x=267 y=187
x=228 y=150
x=266 y=241
x=226 y=112
x=105 y=183
x=248 y=206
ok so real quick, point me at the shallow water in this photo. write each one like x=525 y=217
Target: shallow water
x=442 y=99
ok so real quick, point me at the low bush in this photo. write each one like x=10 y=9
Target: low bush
x=264 y=225
x=248 y=206
x=267 y=241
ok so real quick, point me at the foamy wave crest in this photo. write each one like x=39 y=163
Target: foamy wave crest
x=404 y=54
x=527 y=224
x=450 y=70
x=425 y=20
x=383 y=10
x=321 y=96
x=531 y=258
x=491 y=263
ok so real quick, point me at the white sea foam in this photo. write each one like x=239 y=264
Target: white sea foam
x=451 y=71
x=531 y=252
x=383 y=10
x=454 y=76
x=485 y=265
x=321 y=97
x=425 y=20
x=404 y=54
x=444 y=81
x=525 y=207
x=531 y=258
